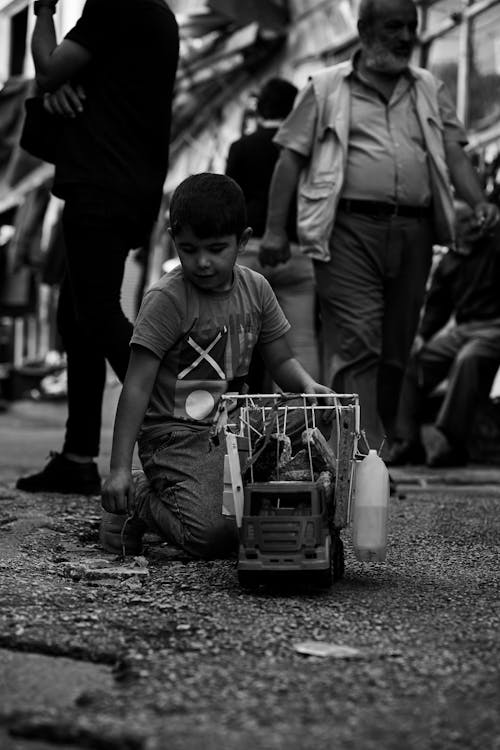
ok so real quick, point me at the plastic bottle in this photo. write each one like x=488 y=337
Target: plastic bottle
x=371 y=502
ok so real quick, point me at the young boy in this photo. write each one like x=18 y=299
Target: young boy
x=192 y=342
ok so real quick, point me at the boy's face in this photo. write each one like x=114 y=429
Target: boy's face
x=208 y=263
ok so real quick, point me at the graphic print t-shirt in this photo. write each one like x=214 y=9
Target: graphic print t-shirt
x=205 y=341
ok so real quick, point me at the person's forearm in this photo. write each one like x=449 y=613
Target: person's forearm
x=291 y=377
x=43 y=42
x=464 y=176
x=283 y=185
x=130 y=412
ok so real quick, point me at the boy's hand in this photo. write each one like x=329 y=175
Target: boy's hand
x=117 y=492
x=314 y=387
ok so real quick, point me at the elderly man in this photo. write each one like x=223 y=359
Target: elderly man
x=372 y=145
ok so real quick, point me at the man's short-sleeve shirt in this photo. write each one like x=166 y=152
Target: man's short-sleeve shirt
x=204 y=341
x=386 y=158
x=121 y=139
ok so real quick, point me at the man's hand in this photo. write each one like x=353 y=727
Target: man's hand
x=418 y=343
x=117 y=492
x=274 y=248
x=487 y=215
x=67 y=101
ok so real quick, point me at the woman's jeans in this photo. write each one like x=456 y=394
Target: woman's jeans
x=180 y=493
x=99 y=231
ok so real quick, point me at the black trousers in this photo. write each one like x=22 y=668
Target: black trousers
x=99 y=231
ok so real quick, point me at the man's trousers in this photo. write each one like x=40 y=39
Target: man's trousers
x=370 y=294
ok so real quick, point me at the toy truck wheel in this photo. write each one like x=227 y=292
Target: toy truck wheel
x=248 y=580
x=337 y=556
x=324 y=578
x=335 y=571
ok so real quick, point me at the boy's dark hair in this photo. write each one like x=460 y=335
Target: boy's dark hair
x=276 y=99
x=212 y=205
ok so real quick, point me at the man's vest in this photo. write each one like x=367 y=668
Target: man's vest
x=321 y=182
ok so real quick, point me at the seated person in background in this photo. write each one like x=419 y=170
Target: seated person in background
x=250 y=162
x=192 y=342
x=465 y=287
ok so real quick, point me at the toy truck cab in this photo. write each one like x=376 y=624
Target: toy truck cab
x=286 y=528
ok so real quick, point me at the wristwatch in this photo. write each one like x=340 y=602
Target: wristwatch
x=38 y=4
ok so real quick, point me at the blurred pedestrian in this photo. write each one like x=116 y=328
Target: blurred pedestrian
x=110 y=81
x=458 y=339
x=251 y=162
x=373 y=144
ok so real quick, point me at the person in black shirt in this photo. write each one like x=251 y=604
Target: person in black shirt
x=110 y=81
x=458 y=339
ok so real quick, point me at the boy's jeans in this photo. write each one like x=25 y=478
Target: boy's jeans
x=180 y=495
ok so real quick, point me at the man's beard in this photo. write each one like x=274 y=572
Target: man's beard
x=381 y=60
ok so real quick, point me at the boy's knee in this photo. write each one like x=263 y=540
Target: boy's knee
x=219 y=540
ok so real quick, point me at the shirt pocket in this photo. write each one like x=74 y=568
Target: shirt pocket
x=315 y=205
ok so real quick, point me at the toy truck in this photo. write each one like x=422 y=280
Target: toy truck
x=292 y=503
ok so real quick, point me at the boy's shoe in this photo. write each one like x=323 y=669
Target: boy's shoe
x=121 y=534
x=65 y=476
x=406 y=452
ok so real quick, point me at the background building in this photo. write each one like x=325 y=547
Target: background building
x=459 y=42
x=228 y=49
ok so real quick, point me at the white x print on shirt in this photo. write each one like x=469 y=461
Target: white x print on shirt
x=204 y=354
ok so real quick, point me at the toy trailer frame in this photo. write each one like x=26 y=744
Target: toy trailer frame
x=292 y=526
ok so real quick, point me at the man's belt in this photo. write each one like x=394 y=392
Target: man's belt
x=378 y=208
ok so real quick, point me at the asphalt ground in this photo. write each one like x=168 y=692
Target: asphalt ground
x=164 y=652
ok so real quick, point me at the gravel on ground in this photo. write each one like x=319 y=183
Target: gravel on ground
x=196 y=662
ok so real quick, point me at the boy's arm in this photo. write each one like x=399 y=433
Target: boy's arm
x=132 y=405
x=286 y=371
